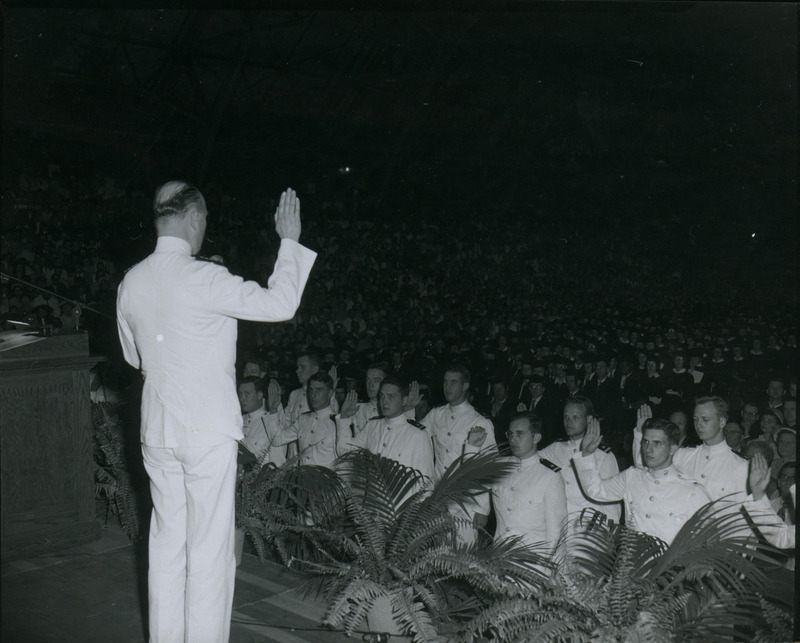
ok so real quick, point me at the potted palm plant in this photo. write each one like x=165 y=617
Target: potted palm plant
x=396 y=562
x=609 y=583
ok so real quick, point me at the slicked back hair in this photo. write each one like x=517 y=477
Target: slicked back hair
x=458 y=367
x=719 y=404
x=396 y=381
x=581 y=400
x=534 y=421
x=177 y=198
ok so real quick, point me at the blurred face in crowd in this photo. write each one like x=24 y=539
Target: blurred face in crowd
x=787 y=477
x=537 y=390
x=775 y=391
x=572 y=383
x=391 y=400
x=679 y=419
x=374 y=378
x=787 y=444
x=652 y=367
x=733 y=434
x=250 y=398
x=305 y=369
x=601 y=368
x=575 y=420
x=521 y=439
x=455 y=388
x=790 y=412
x=657 y=452
x=499 y=391
x=678 y=362
x=319 y=395
x=768 y=425
x=749 y=414
x=708 y=423
x=252 y=369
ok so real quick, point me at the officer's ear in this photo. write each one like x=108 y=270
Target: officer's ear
x=537 y=437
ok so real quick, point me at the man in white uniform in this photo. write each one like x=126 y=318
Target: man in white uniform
x=658 y=499
x=578 y=413
x=713 y=464
x=530 y=502
x=394 y=435
x=456 y=429
x=261 y=434
x=176 y=318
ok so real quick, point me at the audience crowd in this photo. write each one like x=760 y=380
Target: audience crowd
x=531 y=317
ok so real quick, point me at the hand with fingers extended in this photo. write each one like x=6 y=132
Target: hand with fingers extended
x=273 y=396
x=287 y=216
x=334 y=374
x=350 y=405
x=643 y=414
x=759 y=477
x=414 y=396
x=591 y=440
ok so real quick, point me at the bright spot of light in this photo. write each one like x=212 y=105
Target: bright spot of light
x=344 y=170
x=753 y=235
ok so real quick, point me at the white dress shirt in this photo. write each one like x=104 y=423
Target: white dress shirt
x=561 y=454
x=656 y=502
x=530 y=502
x=176 y=318
x=262 y=436
x=717 y=467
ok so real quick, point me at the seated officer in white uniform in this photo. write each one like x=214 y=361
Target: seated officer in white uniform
x=530 y=502
x=394 y=435
x=658 y=499
x=578 y=411
x=713 y=464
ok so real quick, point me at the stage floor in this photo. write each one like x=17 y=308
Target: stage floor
x=96 y=593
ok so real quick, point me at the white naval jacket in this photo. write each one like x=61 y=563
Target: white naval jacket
x=176 y=318
x=656 y=502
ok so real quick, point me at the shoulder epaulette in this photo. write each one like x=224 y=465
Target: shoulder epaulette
x=605 y=447
x=306 y=412
x=377 y=417
x=333 y=417
x=550 y=465
x=416 y=424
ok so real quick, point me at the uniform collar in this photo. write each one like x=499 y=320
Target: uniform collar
x=254 y=415
x=527 y=463
x=323 y=413
x=400 y=420
x=716 y=449
x=173 y=244
x=667 y=472
x=460 y=409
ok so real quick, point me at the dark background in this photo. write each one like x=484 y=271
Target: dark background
x=601 y=115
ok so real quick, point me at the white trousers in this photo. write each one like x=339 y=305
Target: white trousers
x=192 y=564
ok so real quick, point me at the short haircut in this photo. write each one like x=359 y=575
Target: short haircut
x=580 y=400
x=396 y=381
x=672 y=432
x=255 y=381
x=313 y=356
x=322 y=376
x=720 y=405
x=537 y=379
x=458 y=367
x=383 y=367
x=262 y=364
x=534 y=421
x=177 y=198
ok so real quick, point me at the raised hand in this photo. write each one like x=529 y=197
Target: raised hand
x=287 y=216
x=273 y=396
x=477 y=436
x=350 y=405
x=333 y=372
x=592 y=437
x=521 y=407
x=759 y=477
x=414 y=396
x=644 y=413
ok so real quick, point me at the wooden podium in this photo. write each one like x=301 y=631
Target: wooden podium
x=47 y=475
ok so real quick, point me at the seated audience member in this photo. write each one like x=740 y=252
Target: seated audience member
x=315 y=429
x=783 y=502
x=578 y=413
x=392 y=435
x=261 y=432
x=790 y=412
x=502 y=408
x=531 y=501
x=768 y=423
x=786 y=447
x=750 y=420
x=734 y=437
x=713 y=464
x=775 y=393
x=658 y=499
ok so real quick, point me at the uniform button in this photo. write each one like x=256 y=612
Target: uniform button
x=651 y=498
x=508 y=528
x=452 y=417
x=708 y=457
x=448 y=433
x=384 y=444
x=647 y=515
x=671 y=514
x=508 y=509
x=530 y=502
x=447 y=450
x=512 y=488
x=702 y=475
x=656 y=481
